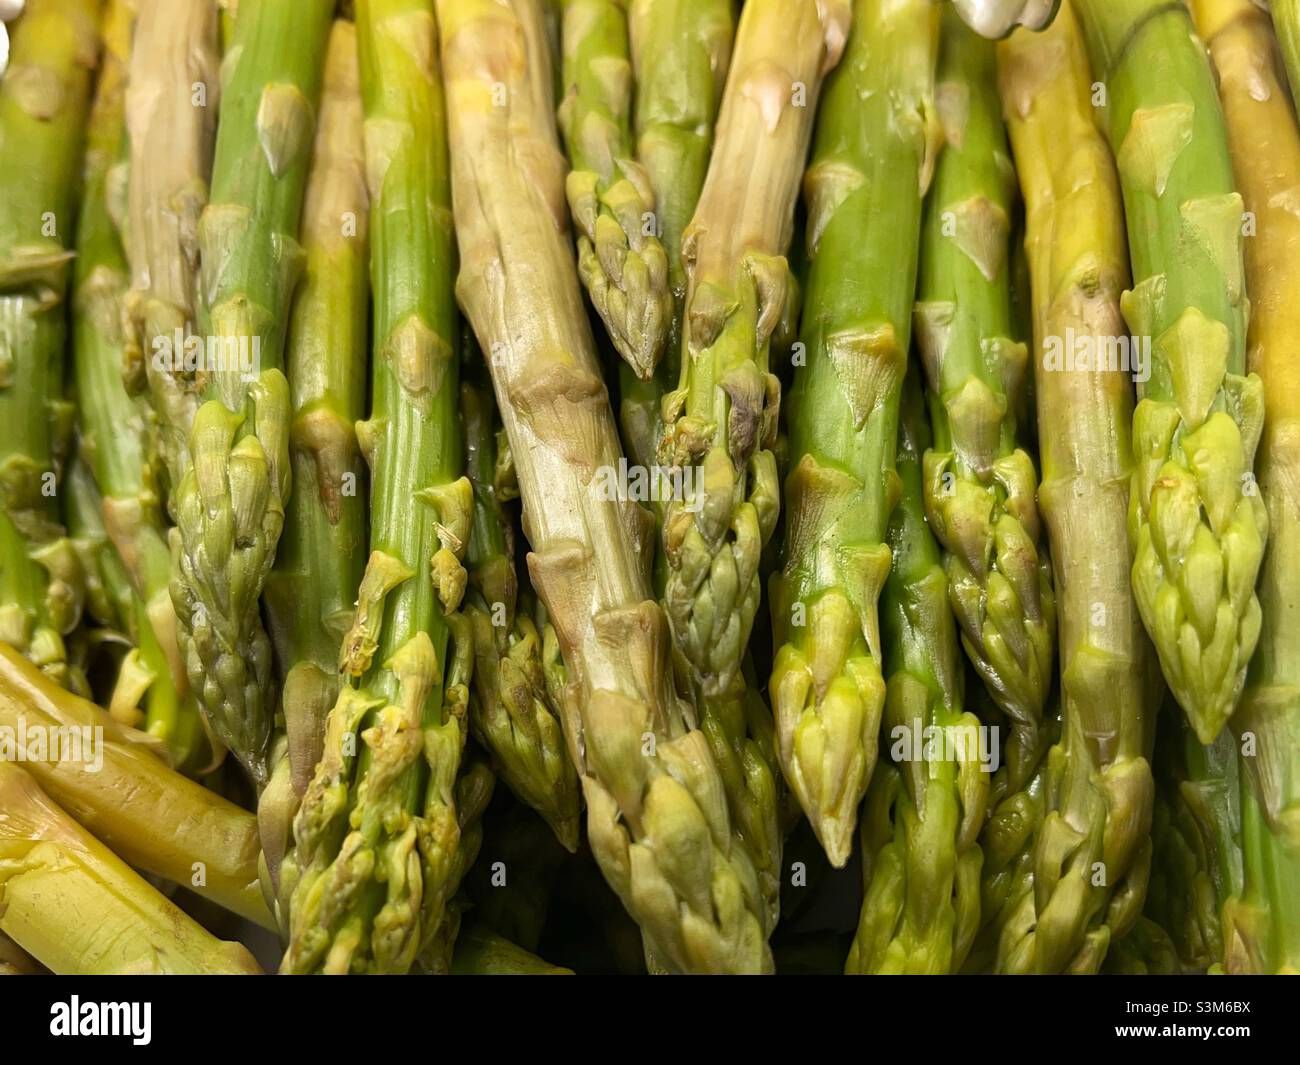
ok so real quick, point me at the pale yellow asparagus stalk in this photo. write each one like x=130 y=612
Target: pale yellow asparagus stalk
x=76 y=907
x=1092 y=851
x=657 y=815
x=171 y=115
x=115 y=782
x=1263 y=926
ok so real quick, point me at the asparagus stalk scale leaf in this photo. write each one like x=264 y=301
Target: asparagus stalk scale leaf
x=171 y=105
x=871 y=163
x=1092 y=851
x=311 y=590
x=979 y=486
x=79 y=909
x=378 y=838
x=229 y=505
x=1264 y=139
x=113 y=428
x=721 y=420
x=657 y=816
x=44 y=98
x=620 y=257
x=921 y=859
x=510 y=704
x=1197 y=520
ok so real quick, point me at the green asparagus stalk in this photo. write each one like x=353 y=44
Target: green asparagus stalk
x=1196 y=864
x=229 y=504
x=680 y=52
x=113 y=429
x=1286 y=25
x=143 y=694
x=481 y=952
x=377 y=835
x=1264 y=925
x=1197 y=520
x=79 y=909
x=153 y=817
x=871 y=163
x=1092 y=852
x=510 y=706
x=44 y=98
x=621 y=260
x=720 y=423
x=311 y=590
x=657 y=817
x=921 y=861
x=171 y=106
x=979 y=485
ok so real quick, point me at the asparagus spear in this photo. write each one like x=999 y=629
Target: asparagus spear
x=979 y=486
x=657 y=817
x=620 y=258
x=43 y=105
x=1092 y=851
x=229 y=504
x=1197 y=520
x=720 y=423
x=1196 y=865
x=1286 y=24
x=153 y=817
x=1264 y=927
x=510 y=707
x=871 y=164
x=311 y=590
x=171 y=105
x=79 y=909
x=921 y=862
x=680 y=50
x=377 y=835
x=676 y=44
x=113 y=430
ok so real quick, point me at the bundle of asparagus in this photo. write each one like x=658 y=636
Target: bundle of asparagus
x=263 y=430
